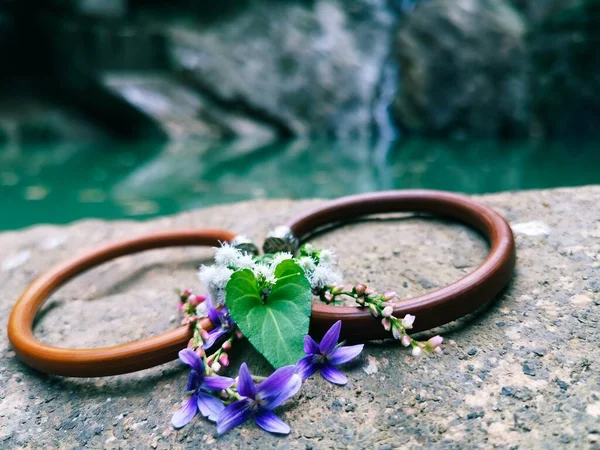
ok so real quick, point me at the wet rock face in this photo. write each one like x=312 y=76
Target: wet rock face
x=309 y=67
x=566 y=84
x=463 y=69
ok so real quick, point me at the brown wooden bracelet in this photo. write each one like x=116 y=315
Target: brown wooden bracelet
x=434 y=308
x=105 y=361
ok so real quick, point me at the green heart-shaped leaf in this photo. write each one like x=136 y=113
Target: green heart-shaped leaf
x=277 y=327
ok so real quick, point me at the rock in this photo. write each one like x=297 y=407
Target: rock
x=56 y=125
x=308 y=67
x=440 y=402
x=183 y=112
x=463 y=69
x=565 y=80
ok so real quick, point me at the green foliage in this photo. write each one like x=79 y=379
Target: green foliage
x=274 y=320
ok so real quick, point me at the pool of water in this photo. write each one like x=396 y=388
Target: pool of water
x=60 y=183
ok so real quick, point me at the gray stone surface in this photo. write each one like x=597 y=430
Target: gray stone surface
x=463 y=69
x=311 y=67
x=522 y=374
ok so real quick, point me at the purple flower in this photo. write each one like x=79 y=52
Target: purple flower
x=220 y=319
x=258 y=401
x=208 y=405
x=326 y=356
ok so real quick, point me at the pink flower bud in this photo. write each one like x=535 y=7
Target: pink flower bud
x=190 y=343
x=239 y=334
x=405 y=340
x=396 y=332
x=369 y=291
x=435 y=342
x=193 y=300
x=210 y=360
x=226 y=346
x=185 y=294
x=338 y=289
x=387 y=311
x=387 y=323
x=360 y=289
x=389 y=295
x=204 y=335
x=416 y=351
x=224 y=395
x=216 y=367
x=438 y=350
x=224 y=359
x=328 y=296
x=408 y=321
x=200 y=352
x=373 y=310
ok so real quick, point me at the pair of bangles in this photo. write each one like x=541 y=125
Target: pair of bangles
x=433 y=309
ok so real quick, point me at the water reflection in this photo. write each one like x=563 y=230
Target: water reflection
x=61 y=183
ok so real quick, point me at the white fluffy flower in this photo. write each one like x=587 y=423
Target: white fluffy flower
x=215 y=278
x=265 y=272
x=279 y=257
x=227 y=256
x=327 y=257
x=307 y=263
x=206 y=274
x=324 y=276
x=245 y=261
x=201 y=310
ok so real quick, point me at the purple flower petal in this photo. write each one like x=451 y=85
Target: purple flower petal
x=310 y=346
x=271 y=423
x=289 y=390
x=330 y=339
x=234 y=414
x=275 y=383
x=184 y=414
x=344 y=354
x=216 y=383
x=307 y=366
x=194 y=381
x=213 y=313
x=213 y=336
x=245 y=384
x=209 y=406
x=189 y=357
x=333 y=375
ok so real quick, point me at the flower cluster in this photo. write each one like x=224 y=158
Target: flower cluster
x=380 y=305
x=319 y=267
x=229 y=259
x=230 y=402
x=195 y=307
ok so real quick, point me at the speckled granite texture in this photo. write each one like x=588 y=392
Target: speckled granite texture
x=522 y=374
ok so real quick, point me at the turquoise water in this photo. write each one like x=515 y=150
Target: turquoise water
x=60 y=183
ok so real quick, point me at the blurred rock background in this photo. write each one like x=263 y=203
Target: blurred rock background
x=281 y=68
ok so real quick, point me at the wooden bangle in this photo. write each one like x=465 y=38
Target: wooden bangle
x=434 y=308
x=105 y=361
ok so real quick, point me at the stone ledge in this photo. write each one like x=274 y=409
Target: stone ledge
x=521 y=373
